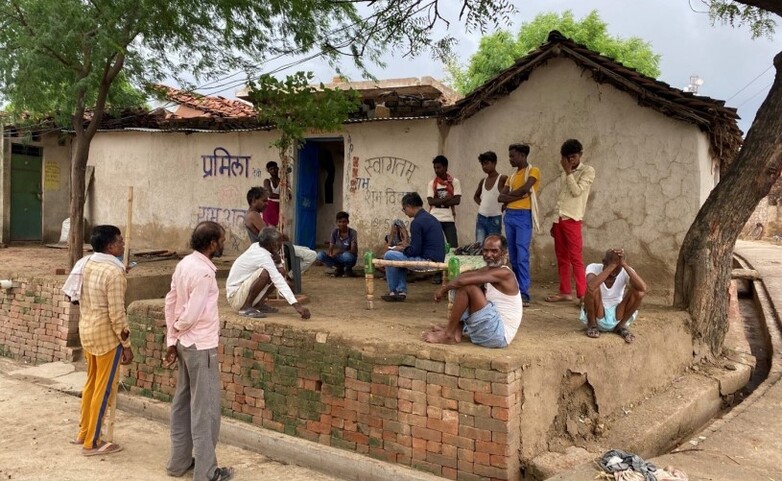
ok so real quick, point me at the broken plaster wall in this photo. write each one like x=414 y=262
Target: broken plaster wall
x=383 y=161
x=54 y=184
x=56 y=171
x=175 y=184
x=617 y=377
x=653 y=172
x=173 y=191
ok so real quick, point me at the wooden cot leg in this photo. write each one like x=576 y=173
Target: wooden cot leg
x=450 y=297
x=369 y=281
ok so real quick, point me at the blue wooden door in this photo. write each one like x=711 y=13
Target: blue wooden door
x=307 y=173
x=26 y=194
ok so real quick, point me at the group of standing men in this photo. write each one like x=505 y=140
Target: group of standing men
x=513 y=199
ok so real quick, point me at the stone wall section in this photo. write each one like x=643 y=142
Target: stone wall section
x=37 y=323
x=454 y=417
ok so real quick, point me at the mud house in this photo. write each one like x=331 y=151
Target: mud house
x=657 y=151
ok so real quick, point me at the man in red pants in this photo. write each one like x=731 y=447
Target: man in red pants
x=575 y=182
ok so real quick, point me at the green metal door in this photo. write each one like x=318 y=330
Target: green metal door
x=26 y=193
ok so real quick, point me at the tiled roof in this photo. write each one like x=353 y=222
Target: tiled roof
x=210 y=106
x=716 y=120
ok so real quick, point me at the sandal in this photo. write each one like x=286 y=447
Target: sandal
x=593 y=332
x=266 y=308
x=626 y=335
x=76 y=441
x=105 y=448
x=252 y=313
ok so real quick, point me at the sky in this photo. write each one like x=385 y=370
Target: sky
x=733 y=66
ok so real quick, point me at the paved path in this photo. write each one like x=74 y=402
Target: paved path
x=38 y=421
x=747 y=443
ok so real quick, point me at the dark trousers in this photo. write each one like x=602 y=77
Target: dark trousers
x=449 y=229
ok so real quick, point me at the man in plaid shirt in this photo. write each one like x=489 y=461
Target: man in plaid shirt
x=103 y=328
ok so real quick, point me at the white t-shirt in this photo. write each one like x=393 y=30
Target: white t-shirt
x=442 y=214
x=612 y=296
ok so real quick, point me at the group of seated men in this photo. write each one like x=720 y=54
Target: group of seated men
x=487 y=302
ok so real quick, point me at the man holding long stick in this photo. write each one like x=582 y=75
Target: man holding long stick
x=104 y=332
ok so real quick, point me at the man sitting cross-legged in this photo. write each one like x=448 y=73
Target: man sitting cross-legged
x=606 y=305
x=487 y=305
x=253 y=272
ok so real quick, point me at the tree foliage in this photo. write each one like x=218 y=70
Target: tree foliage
x=499 y=50
x=69 y=56
x=295 y=106
x=760 y=21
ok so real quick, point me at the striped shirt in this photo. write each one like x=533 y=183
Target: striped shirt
x=102 y=316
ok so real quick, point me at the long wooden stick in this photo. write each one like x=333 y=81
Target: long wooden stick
x=128 y=228
x=411 y=264
x=126 y=260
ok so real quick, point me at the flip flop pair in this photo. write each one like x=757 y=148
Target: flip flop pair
x=105 y=448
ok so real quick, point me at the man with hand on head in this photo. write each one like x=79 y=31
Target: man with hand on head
x=575 y=183
x=193 y=333
x=607 y=307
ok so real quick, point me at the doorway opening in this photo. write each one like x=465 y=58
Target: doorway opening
x=26 y=193
x=319 y=185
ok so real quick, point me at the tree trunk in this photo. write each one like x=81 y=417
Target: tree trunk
x=78 y=173
x=705 y=258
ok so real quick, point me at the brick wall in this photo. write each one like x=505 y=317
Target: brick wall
x=37 y=323
x=454 y=417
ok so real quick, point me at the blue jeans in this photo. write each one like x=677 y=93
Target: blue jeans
x=344 y=259
x=396 y=277
x=518 y=230
x=485 y=226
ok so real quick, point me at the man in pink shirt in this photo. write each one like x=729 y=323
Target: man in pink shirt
x=193 y=334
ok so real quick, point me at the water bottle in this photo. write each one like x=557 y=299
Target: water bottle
x=453 y=268
x=369 y=267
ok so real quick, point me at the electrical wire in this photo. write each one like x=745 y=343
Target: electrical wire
x=750 y=83
x=761 y=91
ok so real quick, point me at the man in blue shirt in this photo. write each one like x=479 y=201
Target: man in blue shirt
x=426 y=243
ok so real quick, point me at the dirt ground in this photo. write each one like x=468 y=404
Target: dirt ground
x=550 y=334
x=339 y=306
x=38 y=422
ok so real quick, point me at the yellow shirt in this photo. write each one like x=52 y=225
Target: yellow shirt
x=517 y=180
x=102 y=315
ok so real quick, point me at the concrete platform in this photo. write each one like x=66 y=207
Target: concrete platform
x=746 y=443
x=363 y=380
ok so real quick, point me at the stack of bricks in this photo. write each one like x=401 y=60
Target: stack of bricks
x=37 y=323
x=456 y=417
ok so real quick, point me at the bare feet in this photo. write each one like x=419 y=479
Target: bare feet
x=626 y=334
x=559 y=298
x=438 y=336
